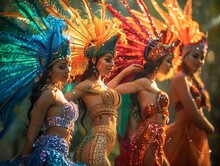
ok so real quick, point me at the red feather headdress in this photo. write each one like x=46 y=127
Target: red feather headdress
x=141 y=33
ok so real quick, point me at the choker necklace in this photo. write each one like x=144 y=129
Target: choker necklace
x=50 y=86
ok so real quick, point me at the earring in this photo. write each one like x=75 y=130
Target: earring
x=156 y=68
x=94 y=69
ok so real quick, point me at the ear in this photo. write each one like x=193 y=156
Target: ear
x=93 y=59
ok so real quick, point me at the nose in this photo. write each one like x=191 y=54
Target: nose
x=171 y=65
x=68 y=69
x=112 y=64
x=200 y=62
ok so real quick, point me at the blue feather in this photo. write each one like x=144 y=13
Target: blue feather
x=23 y=42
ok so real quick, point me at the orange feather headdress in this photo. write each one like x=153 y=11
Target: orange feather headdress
x=180 y=20
x=92 y=35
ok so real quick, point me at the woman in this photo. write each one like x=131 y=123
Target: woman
x=101 y=104
x=35 y=55
x=149 y=103
x=187 y=137
x=190 y=127
x=151 y=108
x=52 y=115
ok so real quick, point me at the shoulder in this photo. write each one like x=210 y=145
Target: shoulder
x=86 y=84
x=46 y=99
x=48 y=95
x=179 y=78
x=145 y=84
x=143 y=81
x=179 y=82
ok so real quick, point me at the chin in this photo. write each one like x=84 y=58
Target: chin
x=107 y=73
x=165 y=73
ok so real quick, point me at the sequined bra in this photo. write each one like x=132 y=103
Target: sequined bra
x=161 y=105
x=197 y=96
x=67 y=118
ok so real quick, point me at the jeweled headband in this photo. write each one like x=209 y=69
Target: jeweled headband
x=201 y=47
x=180 y=20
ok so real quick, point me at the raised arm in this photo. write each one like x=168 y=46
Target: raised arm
x=181 y=87
x=136 y=86
x=127 y=71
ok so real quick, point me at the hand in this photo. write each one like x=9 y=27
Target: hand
x=133 y=68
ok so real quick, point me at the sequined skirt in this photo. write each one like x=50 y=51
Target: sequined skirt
x=149 y=135
x=48 y=150
x=96 y=146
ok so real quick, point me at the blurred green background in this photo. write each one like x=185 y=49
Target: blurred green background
x=207 y=13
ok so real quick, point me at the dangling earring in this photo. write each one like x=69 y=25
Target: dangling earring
x=94 y=69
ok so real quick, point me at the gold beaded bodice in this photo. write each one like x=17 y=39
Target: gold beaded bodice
x=111 y=100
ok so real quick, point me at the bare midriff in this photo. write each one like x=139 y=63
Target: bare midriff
x=107 y=119
x=159 y=118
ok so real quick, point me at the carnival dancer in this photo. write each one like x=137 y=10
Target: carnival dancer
x=187 y=137
x=155 y=51
x=34 y=54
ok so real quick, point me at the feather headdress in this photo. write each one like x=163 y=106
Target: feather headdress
x=30 y=43
x=180 y=20
x=92 y=35
x=145 y=43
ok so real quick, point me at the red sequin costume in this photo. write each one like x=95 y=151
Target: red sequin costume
x=150 y=134
x=142 y=36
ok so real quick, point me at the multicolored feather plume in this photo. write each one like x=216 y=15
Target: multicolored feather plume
x=29 y=41
x=90 y=31
x=141 y=31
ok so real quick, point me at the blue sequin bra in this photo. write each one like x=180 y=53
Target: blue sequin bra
x=68 y=116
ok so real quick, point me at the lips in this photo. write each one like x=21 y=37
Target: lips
x=66 y=76
x=110 y=69
x=197 y=66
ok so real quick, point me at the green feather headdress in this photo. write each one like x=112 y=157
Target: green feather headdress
x=29 y=43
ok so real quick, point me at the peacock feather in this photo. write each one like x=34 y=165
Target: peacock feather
x=27 y=42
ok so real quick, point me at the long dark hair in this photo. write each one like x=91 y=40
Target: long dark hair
x=37 y=91
x=90 y=70
x=198 y=82
x=149 y=68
